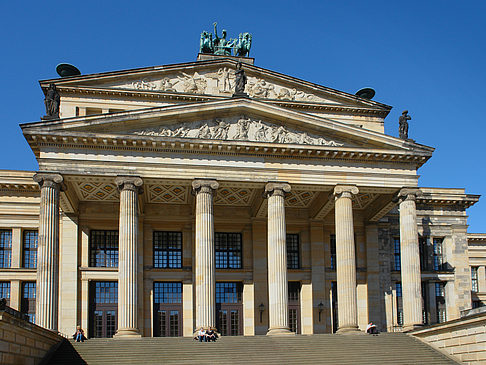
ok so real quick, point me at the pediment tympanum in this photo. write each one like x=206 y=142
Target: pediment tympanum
x=238 y=129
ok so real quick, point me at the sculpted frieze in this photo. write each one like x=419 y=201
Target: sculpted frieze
x=218 y=82
x=238 y=129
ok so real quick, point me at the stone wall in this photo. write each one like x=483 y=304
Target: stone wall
x=22 y=342
x=464 y=339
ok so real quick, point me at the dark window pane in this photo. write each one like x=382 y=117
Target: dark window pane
x=5 y=248
x=293 y=259
x=438 y=259
x=27 y=305
x=396 y=254
x=30 y=249
x=167 y=250
x=333 y=251
x=228 y=250
x=168 y=292
x=103 y=248
x=474 y=279
x=5 y=291
x=228 y=292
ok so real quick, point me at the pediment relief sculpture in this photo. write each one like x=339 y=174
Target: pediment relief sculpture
x=219 y=82
x=238 y=129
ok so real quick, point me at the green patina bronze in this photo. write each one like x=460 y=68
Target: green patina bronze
x=221 y=46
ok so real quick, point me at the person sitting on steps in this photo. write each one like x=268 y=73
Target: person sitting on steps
x=79 y=335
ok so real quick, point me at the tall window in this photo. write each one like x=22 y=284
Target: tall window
x=438 y=259
x=333 y=251
x=424 y=256
x=29 y=249
x=228 y=250
x=5 y=291
x=28 y=300
x=5 y=248
x=228 y=293
x=168 y=250
x=293 y=259
x=396 y=254
x=103 y=248
x=440 y=302
x=474 y=279
x=398 y=291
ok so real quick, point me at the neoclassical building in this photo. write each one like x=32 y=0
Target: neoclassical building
x=163 y=204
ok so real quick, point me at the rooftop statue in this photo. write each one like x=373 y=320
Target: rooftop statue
x=240 y=81
x=222 y=46
x=403 y=124
x=52 y=101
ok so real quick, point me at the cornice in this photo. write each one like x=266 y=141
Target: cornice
x=178 y=97
x=465 y=201
x=20 y=188
x=65 y=140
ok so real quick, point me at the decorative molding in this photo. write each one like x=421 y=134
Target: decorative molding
x=299 y=198
x=166 y=193
x=241 y=129
x=96 y=190
x=234 y=196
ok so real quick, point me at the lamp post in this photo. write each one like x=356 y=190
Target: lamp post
x=320 y=306
x=261 y=307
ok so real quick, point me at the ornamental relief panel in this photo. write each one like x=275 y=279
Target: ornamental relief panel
x=219 y=82
x=172 y=194
x=97 y=191
x=238 y=129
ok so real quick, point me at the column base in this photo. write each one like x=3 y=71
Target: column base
x=349 y=331
x=280 y=332
x=127 y=333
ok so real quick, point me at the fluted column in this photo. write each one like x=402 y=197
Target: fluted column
x=205 y=260
x=345 y=259
x=130 y=187
x=277 y=260
x=47 y=289
x=410 y=259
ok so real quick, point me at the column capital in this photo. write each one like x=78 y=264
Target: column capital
x=345 y=191
x=50 y=180
x=409 y=194
x=277 y=188
x=204 y=186
x=133 y=183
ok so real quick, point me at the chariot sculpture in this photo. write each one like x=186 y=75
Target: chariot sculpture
x=240 y=46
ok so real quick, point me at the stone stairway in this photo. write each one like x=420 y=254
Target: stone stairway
x=386 y=348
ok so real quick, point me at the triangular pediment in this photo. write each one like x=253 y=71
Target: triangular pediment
x=216 y=79
x=238 y=120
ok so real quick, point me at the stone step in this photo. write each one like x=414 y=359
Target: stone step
x=315 y=349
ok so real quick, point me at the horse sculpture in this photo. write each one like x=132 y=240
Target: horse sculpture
x=206 y=43
x=243 y=45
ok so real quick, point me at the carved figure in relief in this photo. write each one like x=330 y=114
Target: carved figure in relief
x=206 y=43
x=144 y=84
x=224 y=80
x=260 y=131
x=192 y=84
x=403 y=124
x=286 y=94
x=221 y=130
x=166 y=85
x=242 y=129
x=52 y=101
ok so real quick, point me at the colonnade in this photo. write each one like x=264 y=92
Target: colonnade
x=131 y=186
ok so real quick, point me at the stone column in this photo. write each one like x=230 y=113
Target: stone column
x=410 y=259
x=130 y=187
x=47 y=289
x=346 y=259
x=277 y=260
x=205 y=260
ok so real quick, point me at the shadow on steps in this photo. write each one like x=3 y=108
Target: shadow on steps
x=65 y=354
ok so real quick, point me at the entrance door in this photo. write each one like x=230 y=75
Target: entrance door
x=167 y=309
x=294 y=306
x=103 y=308
x=229 y=309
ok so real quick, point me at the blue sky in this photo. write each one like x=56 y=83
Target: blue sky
x=424 y=56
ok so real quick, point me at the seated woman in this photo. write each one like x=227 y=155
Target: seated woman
x=79 y=335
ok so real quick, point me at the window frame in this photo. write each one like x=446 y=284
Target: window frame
x=29 y=253
x=223 y=258
x=294 y=253
x=162 y=252
x=5 y=248
x=96 y=247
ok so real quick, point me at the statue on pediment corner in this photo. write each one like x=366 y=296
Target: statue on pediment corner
x=52 y=101
x=403 y=124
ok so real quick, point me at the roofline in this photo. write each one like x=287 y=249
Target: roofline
x=43 y=83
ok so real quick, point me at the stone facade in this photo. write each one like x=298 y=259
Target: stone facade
x=162 y=204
